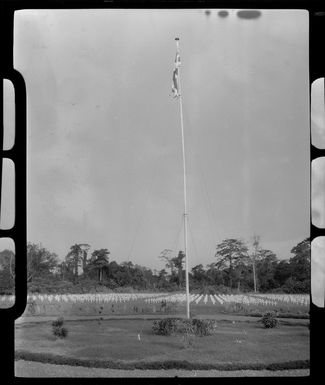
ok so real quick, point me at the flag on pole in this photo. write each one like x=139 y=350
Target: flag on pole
x=175 y=85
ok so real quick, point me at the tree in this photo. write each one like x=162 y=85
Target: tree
x=229 y=253
x=65 y=271
x=198 y=273
x=254 y=256
x=84 y=251
x=165 y=255
x=144 y=277
x=127 y=264
x=178 y=263
x=299 y=281
x=266 y=267
x=162 y=279
x=282 y=272
x=40 y=262
x=74 y=259
x=213 y=275
x=126 y=274
x=99 y=261
x=300 y=263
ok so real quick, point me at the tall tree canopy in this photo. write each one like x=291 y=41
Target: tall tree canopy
x=178 y=263
x=40 y=262
x=300 y=262
x=231 y=253
x=99 y=261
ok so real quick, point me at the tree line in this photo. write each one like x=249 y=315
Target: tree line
x=236 y=268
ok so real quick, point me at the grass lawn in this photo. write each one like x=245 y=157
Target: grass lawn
x=132 y=342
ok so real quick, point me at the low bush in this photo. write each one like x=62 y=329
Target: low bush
x=58 y=322
x=269 y=320
x=60 y=331
x=165 y=327
x=185 y=326
x=204 y=327
x=198 y=327
x=57 y=328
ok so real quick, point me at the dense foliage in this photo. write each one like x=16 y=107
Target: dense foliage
x=198 y=327
x=269 y=320
x=235 y=269
x=58 y=329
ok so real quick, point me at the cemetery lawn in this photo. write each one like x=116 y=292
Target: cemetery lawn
x=131 y=344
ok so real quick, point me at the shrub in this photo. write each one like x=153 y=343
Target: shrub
x=204 y=327
x=58 y=322
x=199 y=327
x=57 y=328
x=60 y=331
x=165 y=327
x=184 y=326
x=269 y=320
x=293 y=286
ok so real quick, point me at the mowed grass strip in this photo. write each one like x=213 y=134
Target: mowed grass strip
x=132 y=344
x=165 y=365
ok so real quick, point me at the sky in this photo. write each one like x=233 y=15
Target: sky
x=104 y=137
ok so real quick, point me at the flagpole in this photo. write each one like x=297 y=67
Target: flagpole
x=185 y=196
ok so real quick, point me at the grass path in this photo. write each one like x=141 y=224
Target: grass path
x=36 y=369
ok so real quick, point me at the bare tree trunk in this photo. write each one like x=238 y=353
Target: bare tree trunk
x=12 y=275
x=230 y=271
x=84 y=260
x=256 y=240
x=254 y=275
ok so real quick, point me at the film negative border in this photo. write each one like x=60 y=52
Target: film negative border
x=317 y=70
x=17 y=154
